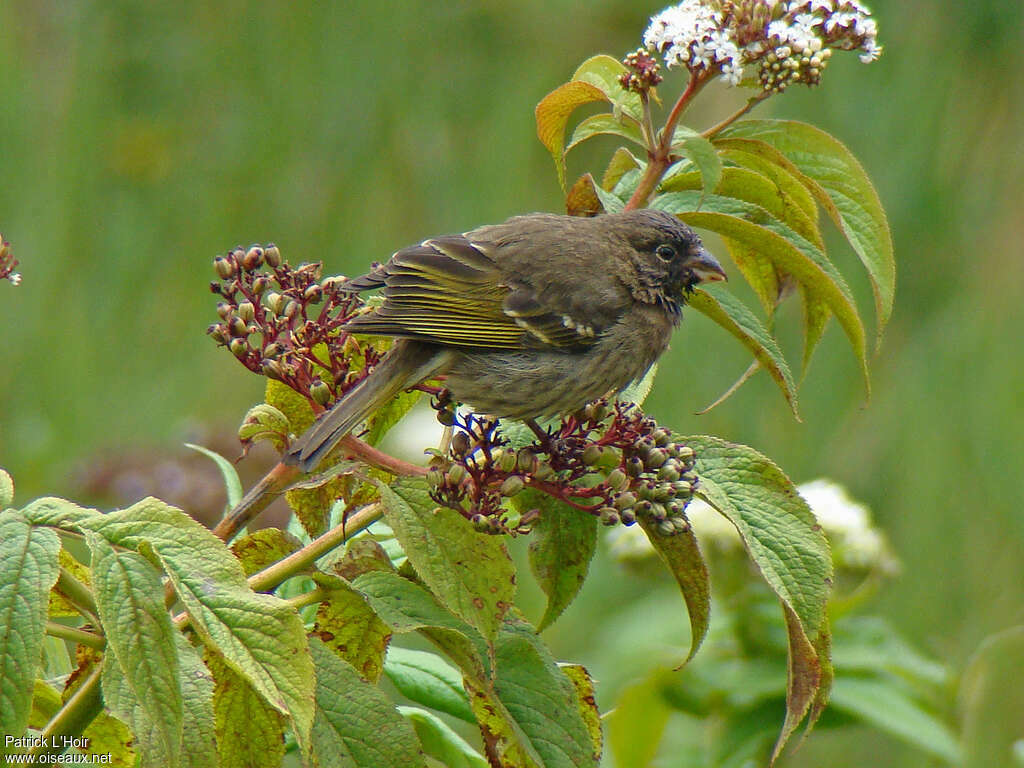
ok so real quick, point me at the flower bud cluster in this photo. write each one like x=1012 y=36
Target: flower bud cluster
x=609 y=460
x=8 y=263
x=642 y=71
x=788 y=42
x=285 y=322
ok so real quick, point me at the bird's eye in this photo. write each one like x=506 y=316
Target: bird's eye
x=665 y=252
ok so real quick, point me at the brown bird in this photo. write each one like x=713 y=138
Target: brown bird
x=529 y=318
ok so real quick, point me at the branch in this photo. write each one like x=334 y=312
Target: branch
x=71 y=719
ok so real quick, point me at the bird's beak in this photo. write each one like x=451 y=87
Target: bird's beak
x=706 y=267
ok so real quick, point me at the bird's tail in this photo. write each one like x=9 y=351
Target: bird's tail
x=406 y=364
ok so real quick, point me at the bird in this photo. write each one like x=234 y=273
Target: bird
x=531 y=318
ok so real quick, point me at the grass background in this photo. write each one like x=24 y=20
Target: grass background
x=137 y=140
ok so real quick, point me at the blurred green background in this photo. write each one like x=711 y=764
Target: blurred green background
x=139 y=139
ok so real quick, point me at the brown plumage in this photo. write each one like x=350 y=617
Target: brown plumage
x=532 y=317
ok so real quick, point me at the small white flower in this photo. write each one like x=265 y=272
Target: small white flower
x=806 y=22
x=821 y=5
x=732 y=72
x=779 y=29
x=848 y=524
x=712 y=526
x=14 y=278
x=836 y=20
x=703 y=54
x=872 y=50
x=866 y=27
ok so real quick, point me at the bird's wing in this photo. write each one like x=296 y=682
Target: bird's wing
x=450 y=290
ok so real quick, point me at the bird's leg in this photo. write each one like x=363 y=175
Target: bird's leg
x=540 y=432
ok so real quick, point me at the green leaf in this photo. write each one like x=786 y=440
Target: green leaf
x=730 y=313
x=198 y=743
x=250 y=733
x=991 y=706
x=261 y=637
x=259 y=549
x=684 y=559
x=886 y=707
x=389 y=414
x=541 y=698
x=637 y=724
x=356 y=725
x=586 y=702
x=605 y=124
x=429 y=680
x=408 y=607
x=703 y=155
x=623 y=160
x=843 y=189
x=6 y=489
x=469 y=572
x=778 y=529
x=604 y=71
x=312 y=505
x=294 y=406
x=790 y=253
x=58 y=513
x=140 y=639
x=28 y=568
x=348 y=626
x=146 y=738
x=227 y=471
x=562 y=544
x=788 y=547
x=552 y=115
x=440 y=742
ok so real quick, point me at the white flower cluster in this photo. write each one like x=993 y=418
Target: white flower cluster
x=724 y=36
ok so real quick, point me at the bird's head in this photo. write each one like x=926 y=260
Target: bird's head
x=671 y=259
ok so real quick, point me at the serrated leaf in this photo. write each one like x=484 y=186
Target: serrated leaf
x=440 y=742
x=232 y=483
x=259 y=549
x=408 y=607
x=562 y=544
x=883 y=705
x=843 y=189
x=683 y=557
x=6 y=489
x=58 y=513
x=312 y=505
x=469 y=572
x=731 y=314
x=586 y=702
x=249 y=732
x=356 y=725
x=541 y=700
x=140 y=640
x=198 y=743
x=429 y=680
x=28 y=569
x=790 y=253
x=788 y=547
x=146 y=739
x=622 y=161
x=605 y=124
x=604 y=71
x=582 y=198
x=261 y=637
x=552 y=114
x=702 y=154
x=347 y=625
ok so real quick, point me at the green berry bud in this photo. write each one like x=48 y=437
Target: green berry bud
x=682 y=488
x=239 y=348
x=273 y=349
x=617 y=480
x=507 y=461
x=644 y=446
x=609 y=516
x=600 y=411
x=525 y=460
x=313 y=294
x=512 y=485
x=237 y=326
x=591 y=455
x=223 y=310
x=666 y=528
x=661 y=437
x=643 y=507
x=218 y=333
x=320 y=392
x=246 y=311
x=655 y=458
x=481 y=523
x=435 y=477
x=275 y=302
x=668 y=471
x=659 y=512
x=272 y=370
x=634 y=466
x=272 y=255
x=224 y=267
x=625 y=500
x=681 y=524
x=456 y=474
x=544 y=471
x=259 y=285
x=628 y=516
x=446 y=417
x=663 y=492
x=291 y=309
